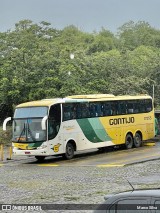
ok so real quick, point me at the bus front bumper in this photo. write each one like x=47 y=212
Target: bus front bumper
x=35 y=152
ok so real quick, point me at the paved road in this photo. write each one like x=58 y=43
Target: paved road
x=82 y=180
x=116 y=158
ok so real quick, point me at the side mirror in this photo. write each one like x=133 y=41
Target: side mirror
x=5 y=123
x=43 y=123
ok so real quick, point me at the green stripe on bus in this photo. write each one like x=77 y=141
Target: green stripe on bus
x=88 y=130
x=34 y=145
x=93 y=130
x=99 y=129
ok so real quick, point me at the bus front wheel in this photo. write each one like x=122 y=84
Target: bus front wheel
x=129 y=141
x=69 y=151
x=137 y=140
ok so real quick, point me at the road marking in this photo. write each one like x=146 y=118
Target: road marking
x=150 y=144
x=132 y=159
x=1 y=164
x=118 y=163
x=110 y=165
x=48 y=164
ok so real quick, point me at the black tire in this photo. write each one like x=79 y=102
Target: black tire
x=40 y=158
x=69 y=154
x=129 y=141
x=137 y=140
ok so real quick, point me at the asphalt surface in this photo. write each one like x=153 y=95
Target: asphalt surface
x=110 y=158
x=79 y=181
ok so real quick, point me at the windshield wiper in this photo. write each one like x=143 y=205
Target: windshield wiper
x=30 y=133
x=23 y=130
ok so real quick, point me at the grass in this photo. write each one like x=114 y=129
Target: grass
x=71 y=198
x=5 y=136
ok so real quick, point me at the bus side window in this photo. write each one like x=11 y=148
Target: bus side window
x=130 y=107
x=92 y=110
x=148 y=105
x=66 y=112
x=98 y=109
x=107 y=109
x=122 y=108
x=142 y=106
x=55 y=113
x=136 y=107
x=78 y=111
x=114 y=108
x=73 y=111
x=66 y=116
x=85 y=110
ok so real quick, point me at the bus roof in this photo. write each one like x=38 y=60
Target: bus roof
x=91 y=96
x=104 y=97
x=81 y=98
x=43 y=102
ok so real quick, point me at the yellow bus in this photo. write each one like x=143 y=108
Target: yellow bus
x=63 y=126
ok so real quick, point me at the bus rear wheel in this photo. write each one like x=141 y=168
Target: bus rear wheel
x=40 y=158
x=69 y=154
x=129 y=141
x=137 y=140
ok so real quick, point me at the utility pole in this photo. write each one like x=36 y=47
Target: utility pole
x=153 y=92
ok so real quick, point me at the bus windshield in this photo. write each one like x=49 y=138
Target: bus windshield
x=27 y=124
x=31 y=112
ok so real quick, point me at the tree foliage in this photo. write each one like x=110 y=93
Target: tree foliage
x=35 y=62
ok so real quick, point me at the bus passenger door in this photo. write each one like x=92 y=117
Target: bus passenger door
x=54 y=125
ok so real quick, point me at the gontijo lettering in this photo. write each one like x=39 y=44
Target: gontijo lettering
x=117 y=121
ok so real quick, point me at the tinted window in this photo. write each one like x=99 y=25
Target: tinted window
x=132 y=205
x=71 y=111
x=54 y=121
x=157 y=206
x=105 y=108
x=122 y=107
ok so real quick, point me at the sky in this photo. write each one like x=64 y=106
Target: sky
x=87 y=15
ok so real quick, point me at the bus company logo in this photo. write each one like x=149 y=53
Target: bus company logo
x=147 y=118
x=56 y=147
x=69 y=127
x=21 y=146
x=117 y=121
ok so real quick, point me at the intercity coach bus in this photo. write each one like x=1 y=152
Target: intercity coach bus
x=63 y=126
